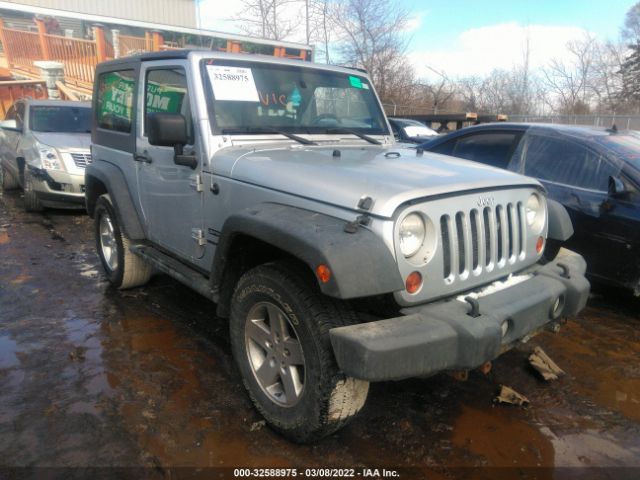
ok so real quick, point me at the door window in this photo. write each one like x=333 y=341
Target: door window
x=493 y=148
x=567 y=162
x=115 y=100
x=166 y=92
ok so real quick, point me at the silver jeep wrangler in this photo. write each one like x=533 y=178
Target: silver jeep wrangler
x=274 y=188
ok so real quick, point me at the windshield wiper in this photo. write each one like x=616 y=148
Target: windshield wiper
x=297 y=138
x=353 y=132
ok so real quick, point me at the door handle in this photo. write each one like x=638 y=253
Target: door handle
x=142 y=157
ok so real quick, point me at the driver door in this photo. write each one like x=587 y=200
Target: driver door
x=170 y=194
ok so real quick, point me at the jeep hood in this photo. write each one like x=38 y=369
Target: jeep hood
x=390 y=176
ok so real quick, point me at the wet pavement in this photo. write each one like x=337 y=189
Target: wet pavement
x=92 y=376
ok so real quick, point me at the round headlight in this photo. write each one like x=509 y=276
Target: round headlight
x=533 y=209
x=412 y=233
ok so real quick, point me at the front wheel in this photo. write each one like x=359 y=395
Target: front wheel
x=279 y=328
x=7 y=180
x=123 y=268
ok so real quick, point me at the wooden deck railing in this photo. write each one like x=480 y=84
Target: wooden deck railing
x=12 y=90
x=21 y=48
x=79 y=57
x=129 y=45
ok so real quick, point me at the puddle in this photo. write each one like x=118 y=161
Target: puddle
x=500 y=439
x=600 y=364
x=8 y=349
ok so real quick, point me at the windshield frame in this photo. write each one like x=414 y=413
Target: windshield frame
x=305 y=130
x=32 y=115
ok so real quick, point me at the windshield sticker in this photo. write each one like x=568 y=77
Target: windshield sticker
x=233 y=83
x=295 y=98
x=355 y=82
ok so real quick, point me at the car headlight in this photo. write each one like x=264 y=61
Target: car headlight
x=533 y=209
x=535 y=212
x=412 y=233
x=50 y=159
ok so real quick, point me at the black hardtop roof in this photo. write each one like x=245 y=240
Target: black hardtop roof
x=148 y=56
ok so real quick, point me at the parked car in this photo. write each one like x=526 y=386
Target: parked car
x=294 y=215
x=44 y=148
x=410 y=131
x=594 y=172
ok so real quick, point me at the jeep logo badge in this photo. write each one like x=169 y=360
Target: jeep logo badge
x=486 y=201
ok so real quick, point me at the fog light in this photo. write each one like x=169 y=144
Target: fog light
x=413 y=282
x=324 y=273
x=540 y=245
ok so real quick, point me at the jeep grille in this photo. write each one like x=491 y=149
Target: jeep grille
x=475 y=240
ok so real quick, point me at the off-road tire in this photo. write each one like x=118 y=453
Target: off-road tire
x=9 y=182
x=31 y=201
x=131 y=270
x=551 y=250
x=329 y=399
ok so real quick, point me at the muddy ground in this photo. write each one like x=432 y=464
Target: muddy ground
x=92 y=376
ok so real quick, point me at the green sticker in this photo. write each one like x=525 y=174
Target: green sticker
x=355 y=82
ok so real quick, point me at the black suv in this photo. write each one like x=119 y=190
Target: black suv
x=594 y=172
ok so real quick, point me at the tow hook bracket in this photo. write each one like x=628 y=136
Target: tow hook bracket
x=475 y=307
x=565 y=271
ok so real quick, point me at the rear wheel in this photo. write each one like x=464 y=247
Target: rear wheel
x=124 y=269
x=279 y=327
x=31 y=201
x=9 y=182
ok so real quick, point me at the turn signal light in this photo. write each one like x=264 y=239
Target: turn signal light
x=540 y=244
x=413 y=282
x=324 y=273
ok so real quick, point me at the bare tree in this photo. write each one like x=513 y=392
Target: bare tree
x=266 y=18
x=438 y=92
x=570 y=82
x=369 y=35
x=320 y=25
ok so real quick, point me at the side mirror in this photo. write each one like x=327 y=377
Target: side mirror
x=10 y=125
x=170 y=130
x=167 y=129
x=617 y=188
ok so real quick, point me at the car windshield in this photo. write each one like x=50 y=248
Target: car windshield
x=61 y=119
x=252 y=97
x=625 y=147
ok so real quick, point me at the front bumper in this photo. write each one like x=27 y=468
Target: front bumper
x=444 y=336
x=57 y=187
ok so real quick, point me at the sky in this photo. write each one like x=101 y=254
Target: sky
x=473 y=37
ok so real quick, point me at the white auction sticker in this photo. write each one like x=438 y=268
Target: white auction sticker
x=233 y=83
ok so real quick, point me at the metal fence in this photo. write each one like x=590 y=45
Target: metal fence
x=622 y=122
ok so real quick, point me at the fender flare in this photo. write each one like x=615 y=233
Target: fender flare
x=560 y=225
x=115 y=183
x=360 y=262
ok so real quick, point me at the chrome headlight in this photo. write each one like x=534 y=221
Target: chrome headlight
x=50 y=159
x=535 y=212
x=412 y=232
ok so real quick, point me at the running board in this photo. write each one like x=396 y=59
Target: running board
x=178 y=270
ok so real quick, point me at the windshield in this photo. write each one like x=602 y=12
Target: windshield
x=625 y=147
x=419 y=131
x=60 y=119
x=246 y=97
